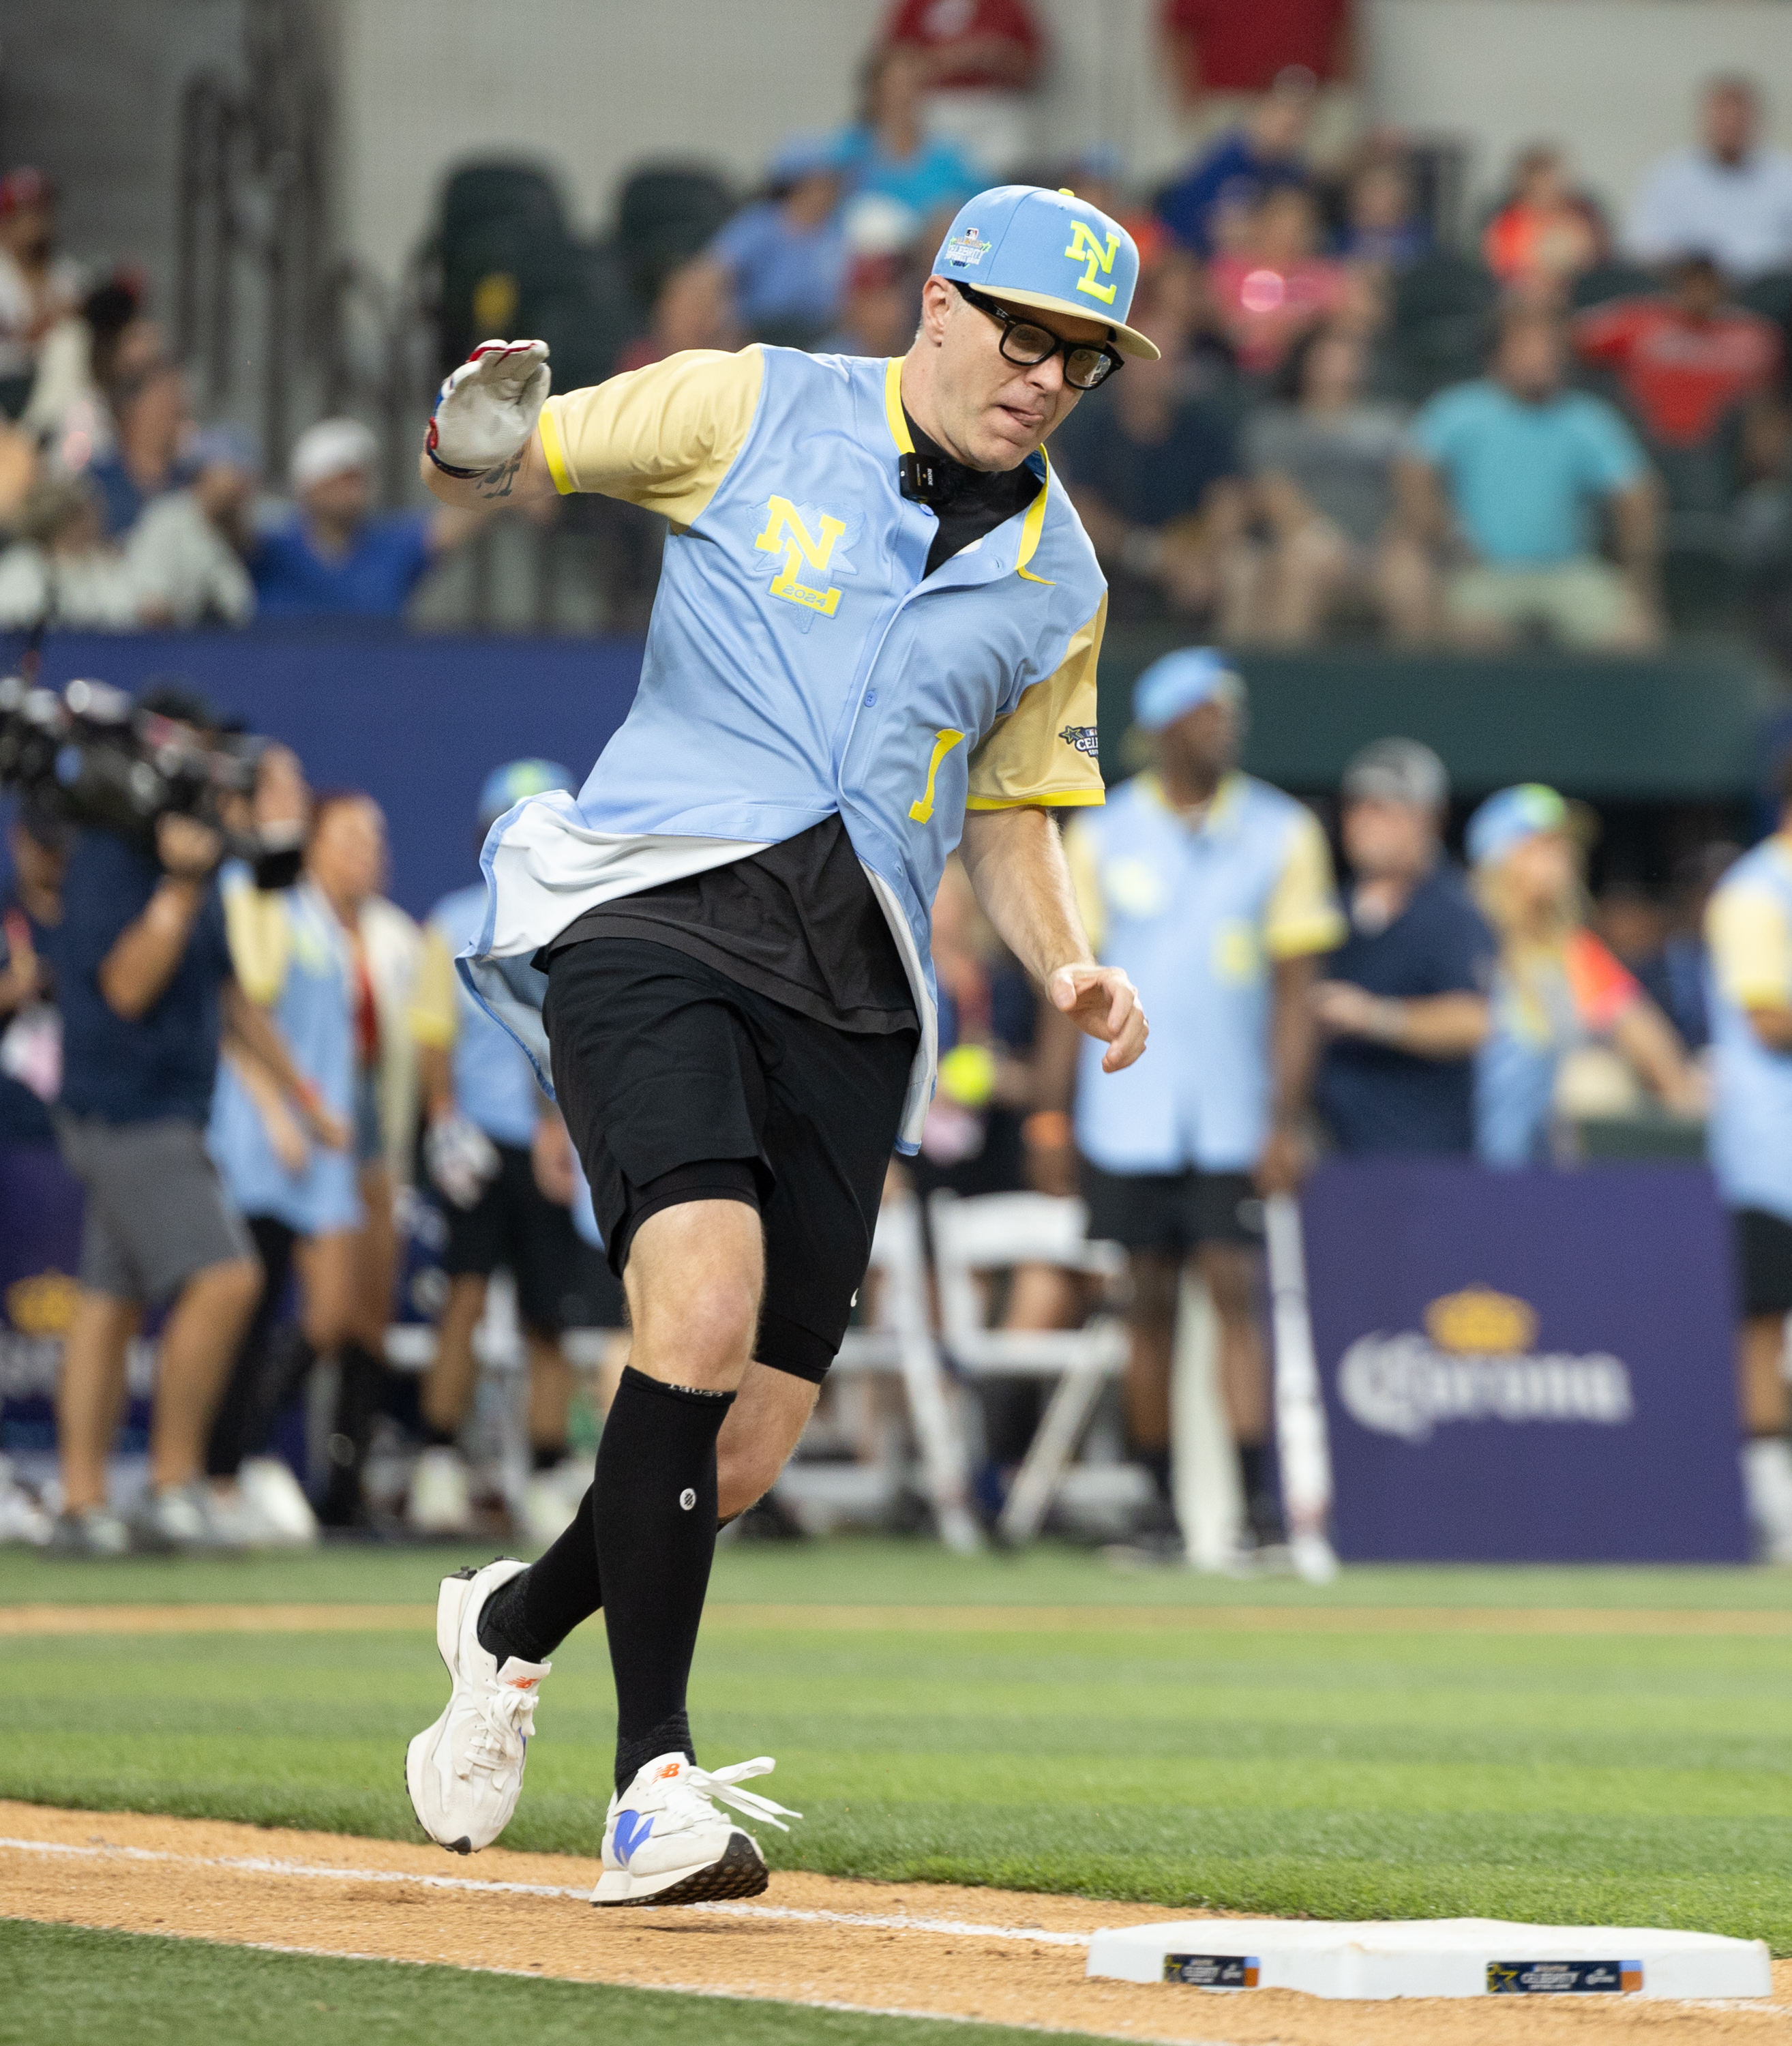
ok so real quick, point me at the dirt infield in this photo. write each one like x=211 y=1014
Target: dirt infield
x=46 y=1620
x=925 y=1949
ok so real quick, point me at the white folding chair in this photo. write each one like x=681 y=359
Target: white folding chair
x=996 y=1232
x=899 y=1342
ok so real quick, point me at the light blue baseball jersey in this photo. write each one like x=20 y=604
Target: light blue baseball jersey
x=1749 y=928
x=1196 y=912
x=800 y=661
x=292 y=955
x=494 y=1082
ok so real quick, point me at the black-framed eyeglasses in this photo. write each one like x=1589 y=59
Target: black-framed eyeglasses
x=1025 y=342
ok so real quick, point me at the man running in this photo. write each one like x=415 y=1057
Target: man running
x=875 y=640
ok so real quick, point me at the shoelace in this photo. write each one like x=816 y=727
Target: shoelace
x=506 y=1722
x=722 y=1785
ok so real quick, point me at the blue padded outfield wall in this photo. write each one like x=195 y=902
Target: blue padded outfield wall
x=418 y=721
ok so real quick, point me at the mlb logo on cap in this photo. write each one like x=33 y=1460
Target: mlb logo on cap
x=1031 y=247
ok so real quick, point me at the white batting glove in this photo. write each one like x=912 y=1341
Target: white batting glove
x=488 y=408
x=459 y=1158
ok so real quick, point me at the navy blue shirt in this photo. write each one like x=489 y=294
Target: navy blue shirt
x=1148 y=483
x=164 y=1064
x=1231 y=171
x=373 y=579
x=1374 y=1098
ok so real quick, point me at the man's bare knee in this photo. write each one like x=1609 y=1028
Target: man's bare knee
x=693 y=1280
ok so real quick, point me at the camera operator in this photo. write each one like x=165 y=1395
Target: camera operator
x=144 y=981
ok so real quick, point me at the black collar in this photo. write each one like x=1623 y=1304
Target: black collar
x=930 y=476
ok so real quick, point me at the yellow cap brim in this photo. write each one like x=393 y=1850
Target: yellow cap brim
x=1128 y=339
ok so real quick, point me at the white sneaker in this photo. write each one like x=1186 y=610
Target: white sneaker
x=465 y=1773
x=551 y=1497
x=441 y=1494
x=665 y=1843
x=180 y=1517
x=279 y=1502
x=1767 y=1479
x=21 y=1518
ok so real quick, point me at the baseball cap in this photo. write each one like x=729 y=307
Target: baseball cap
x=1512 y=816
x=1398 y=771
x=806 y=156
x=1031 y=247
x=1179 y=683
x=507 y=785
x=332 y=447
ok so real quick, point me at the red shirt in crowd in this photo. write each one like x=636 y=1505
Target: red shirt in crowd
x=940 y=27
x=1681 y=374
x=1239 y=45
x=1267 y=309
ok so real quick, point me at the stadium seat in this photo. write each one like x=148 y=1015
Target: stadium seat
x=995 y=1233
x=1612 y=279
x=1443 y=307
x=898 y=1341
x=667 y=213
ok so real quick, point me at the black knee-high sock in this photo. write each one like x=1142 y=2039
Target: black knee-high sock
x=535 y=1612
x=653 y=1512
x=357 y=1401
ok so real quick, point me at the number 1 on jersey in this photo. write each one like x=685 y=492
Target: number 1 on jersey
x=943 y=743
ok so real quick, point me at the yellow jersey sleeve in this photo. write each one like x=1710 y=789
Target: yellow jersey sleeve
x=662 y=438
x=260 y=941
x=1750 y=947
x=433 y=1012
x=1044 y=751
x=1302 y=914
x=1083 y=857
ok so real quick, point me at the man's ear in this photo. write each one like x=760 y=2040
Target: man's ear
x=937 y=300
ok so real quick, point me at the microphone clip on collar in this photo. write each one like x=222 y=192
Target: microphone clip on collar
x=931 y=480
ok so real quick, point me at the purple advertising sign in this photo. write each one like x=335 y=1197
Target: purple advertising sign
x=1526 y=1367
x=39 y=1253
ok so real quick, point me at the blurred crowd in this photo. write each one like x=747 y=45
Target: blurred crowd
x=1563 y=423
x=1365 y=425
x=272 y=1089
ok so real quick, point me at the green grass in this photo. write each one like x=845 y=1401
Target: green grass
x=1605 y=1778
x=95 y=1989
x=863 y=1572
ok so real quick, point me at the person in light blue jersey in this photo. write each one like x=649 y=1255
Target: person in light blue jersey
x=1213 y=892
x=295 y=1188
x=874 y=643
x=484 y=1117
x=1749 y=928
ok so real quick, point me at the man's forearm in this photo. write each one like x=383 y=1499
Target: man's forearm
x=1016 y=864
x=1293 y=1040
x=524 y=479
x=145 y=955
x=1636 y=530
x=253 y=1031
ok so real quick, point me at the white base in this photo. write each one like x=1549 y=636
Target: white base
x=1431 y=1957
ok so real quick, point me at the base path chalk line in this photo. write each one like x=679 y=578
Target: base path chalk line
x=266 y=1865
x=934 y=1950
x=731 y=1996
x=44 y=1619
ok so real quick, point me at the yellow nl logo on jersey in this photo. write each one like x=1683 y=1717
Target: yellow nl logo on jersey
x=805 y=540
x=1086 y=250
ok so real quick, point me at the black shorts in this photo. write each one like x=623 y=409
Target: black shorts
x=1763 y=1255
x=679 y=1084
x=514 y=1224
x=1172 y=1212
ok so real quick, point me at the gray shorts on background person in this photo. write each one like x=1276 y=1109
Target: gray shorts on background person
x=157 y=1213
